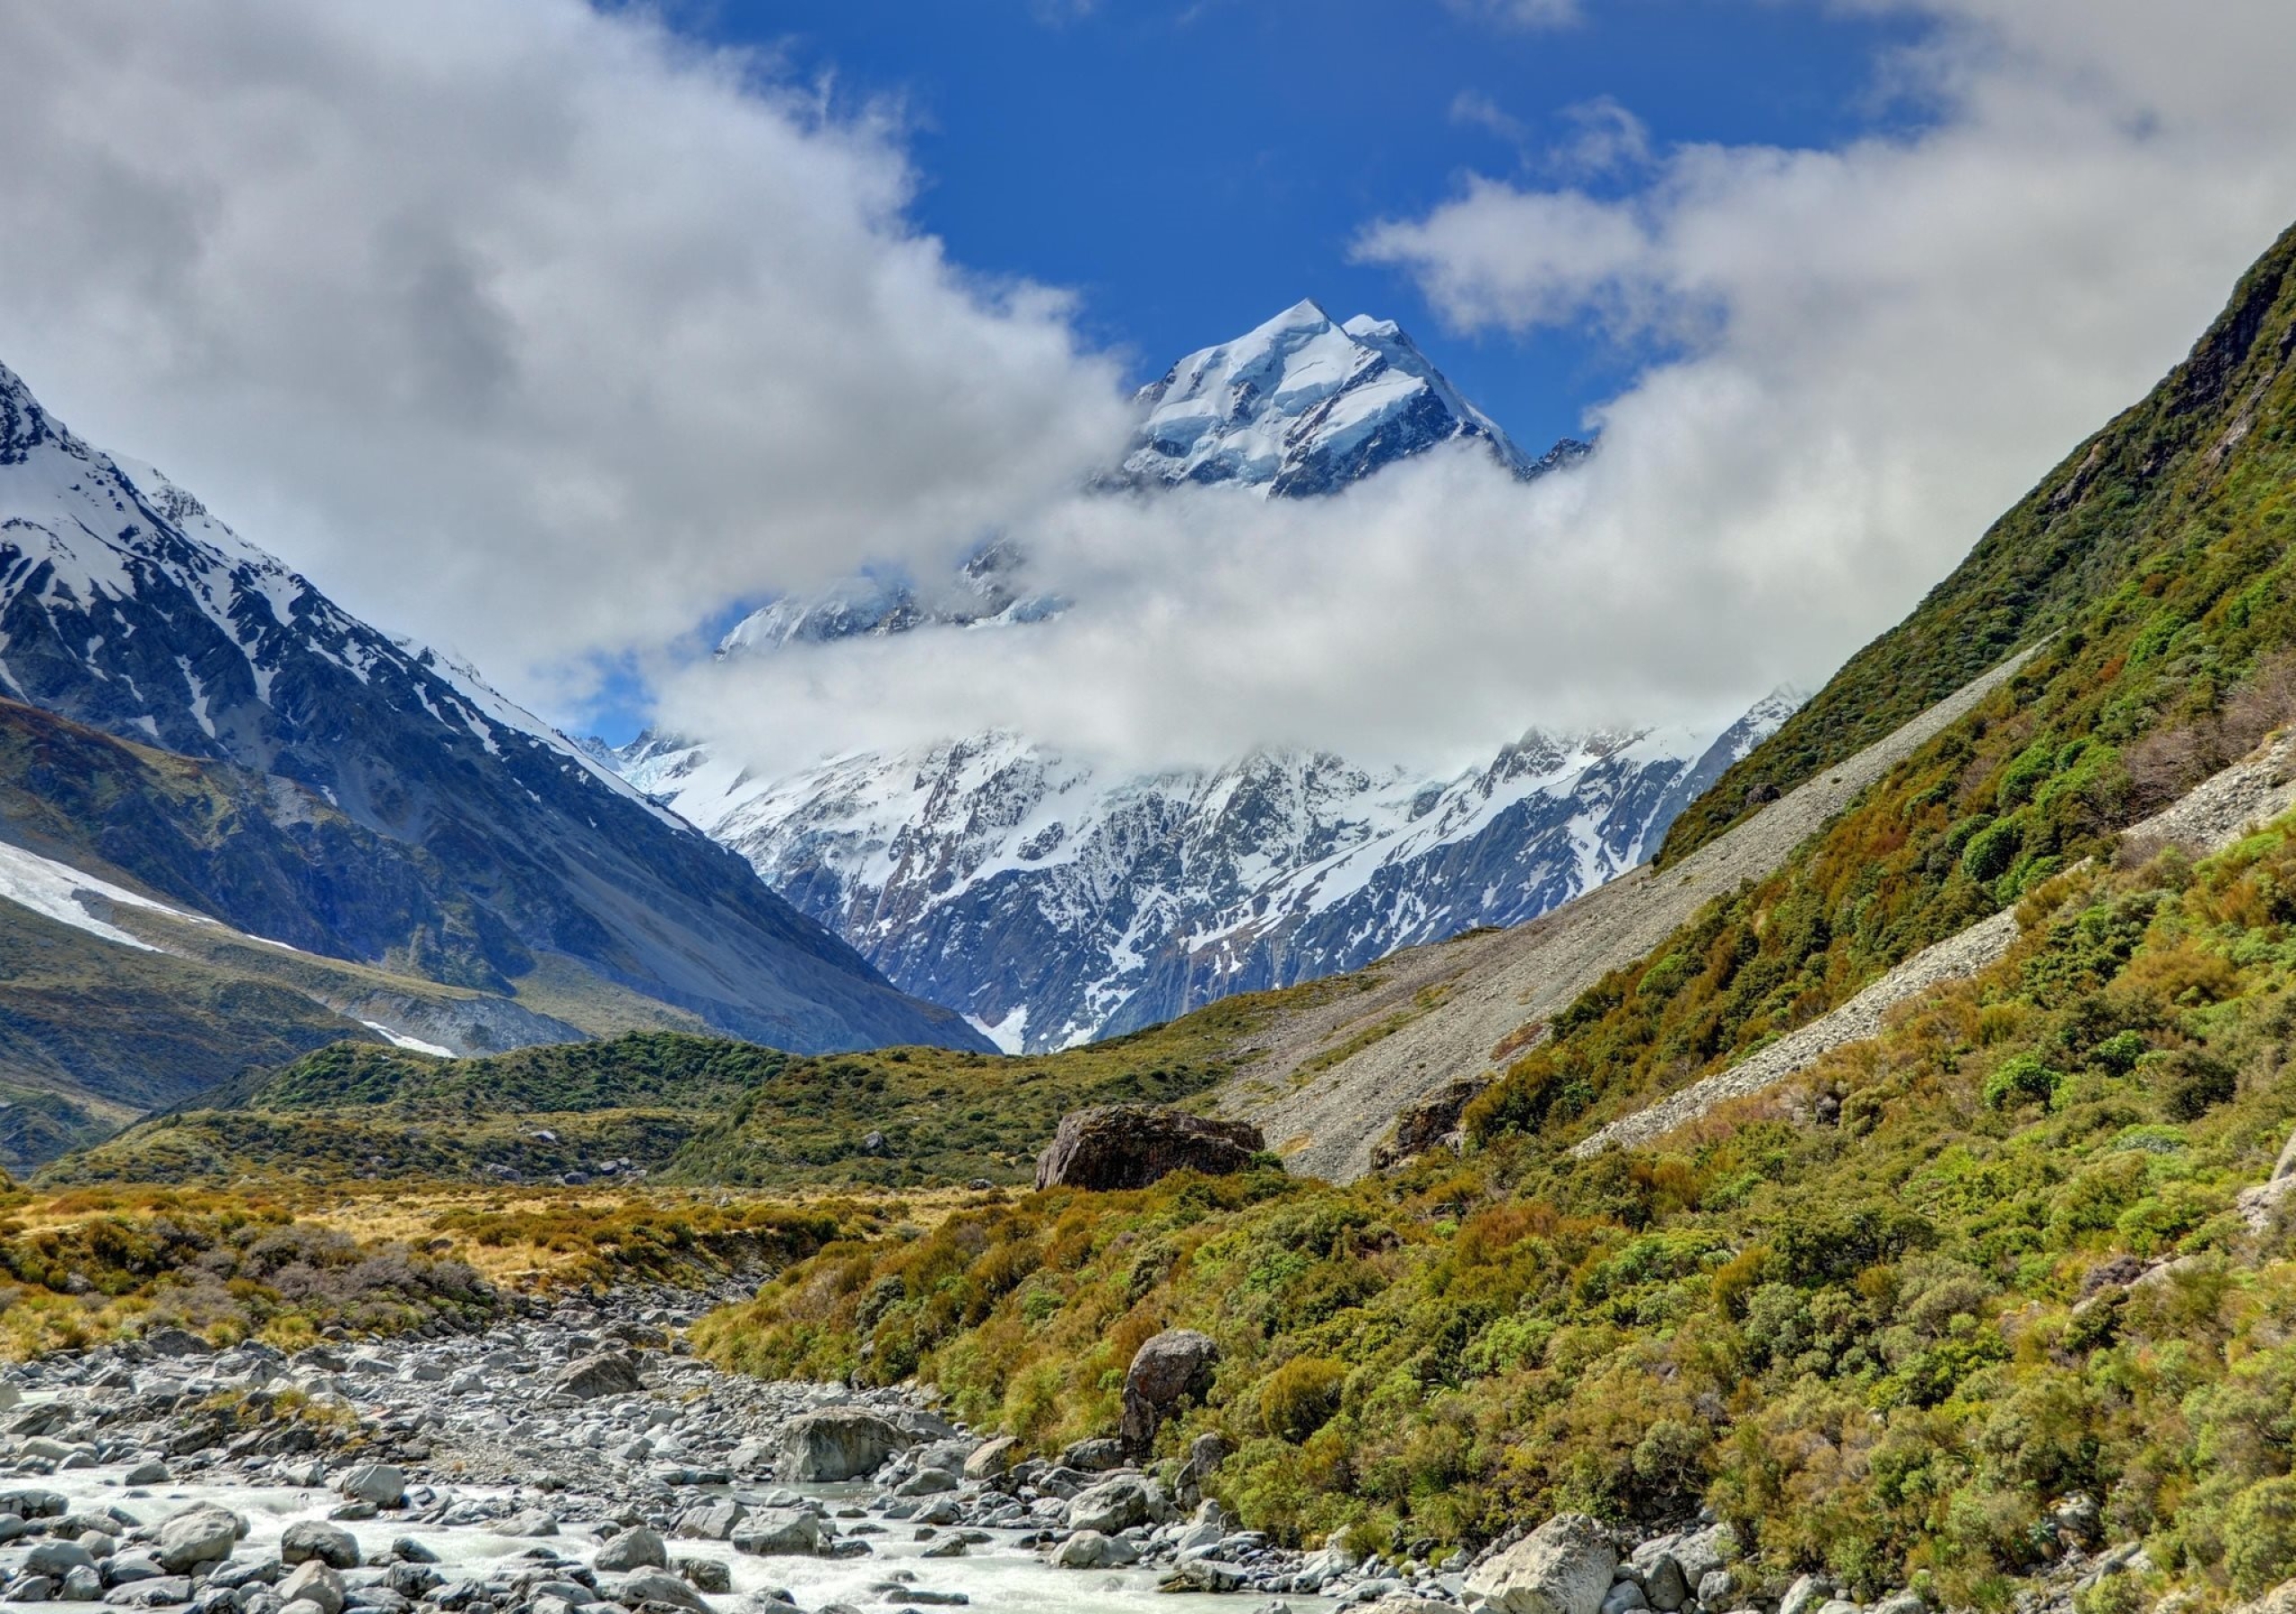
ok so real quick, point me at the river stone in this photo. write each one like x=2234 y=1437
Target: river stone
x=837 y=1444
x=711 y=1521
x=779 y=1532
x=1132 y=1145
x=608 y=1372
x=1563 y=1566
x=1114 y=1505
x=637 y=1548
x=198 y=1535
x=314 y=1581
x=1169 y=1367
x=57 y=1558
x=1094 y=1456
x=381 y=1483
x=1091 y=1550
x=707 y=1575
x=994 y=1459
x=331 y=1544
x=657 y=1586
x=81 y=1584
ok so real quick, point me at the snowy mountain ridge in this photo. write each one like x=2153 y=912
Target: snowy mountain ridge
x=1054 y=906
x=401 y=812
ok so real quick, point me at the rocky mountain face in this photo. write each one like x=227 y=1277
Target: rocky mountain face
x=1304 y=405
x=370 y=799
x=1054 y=903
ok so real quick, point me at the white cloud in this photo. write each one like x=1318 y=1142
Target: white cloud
x=1473 y=109
x=1520 y=14
x=526 y=328
x=522 y=326
x=1606 y=137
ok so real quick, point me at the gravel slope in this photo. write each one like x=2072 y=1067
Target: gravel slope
x=1331 y=1077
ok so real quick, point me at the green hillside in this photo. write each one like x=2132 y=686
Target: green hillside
x=1885 y=1320
x=687 y=1109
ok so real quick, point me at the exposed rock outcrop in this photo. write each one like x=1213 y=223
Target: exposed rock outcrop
x=1132 y=1145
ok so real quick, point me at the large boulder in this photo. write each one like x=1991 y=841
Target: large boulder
x=608 y=1372
x=779 y=1532
x=1564 y=1566
x=1131 y=1145
x=314 y=1583
x=1112 y=1505
x=637 y=1548
x=331 y=1544
x=198 y=1535
x=837 y=1444
x=1430 y=1123
x=382 y=1483
x=1172 y=1367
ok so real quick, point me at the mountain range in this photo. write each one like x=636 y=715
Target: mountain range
x=1055 y=901
x=185 y=717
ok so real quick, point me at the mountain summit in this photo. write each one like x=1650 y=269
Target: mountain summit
x=1303 y=405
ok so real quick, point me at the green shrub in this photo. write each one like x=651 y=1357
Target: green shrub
x=2022 y=1078
x=2260 y=1536
x=2190 y=1083
x=1300 y=1397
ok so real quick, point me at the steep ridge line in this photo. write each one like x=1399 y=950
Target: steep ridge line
x=2209 y=818
x=1327 y=1083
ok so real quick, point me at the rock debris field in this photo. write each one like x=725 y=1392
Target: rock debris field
x=575 y=1460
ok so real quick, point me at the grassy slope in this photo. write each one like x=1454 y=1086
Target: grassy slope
x=2076 y=539
x=1865 y=1344
x=688 y=1108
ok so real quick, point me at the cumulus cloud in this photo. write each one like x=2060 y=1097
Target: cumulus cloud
x=530 y=328
x=523 y=325
x=1864 y=355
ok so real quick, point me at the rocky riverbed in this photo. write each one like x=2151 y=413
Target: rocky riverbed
x=574 y=1459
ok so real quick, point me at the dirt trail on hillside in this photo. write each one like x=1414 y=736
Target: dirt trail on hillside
x=1331 y=1077
x=2214 y=814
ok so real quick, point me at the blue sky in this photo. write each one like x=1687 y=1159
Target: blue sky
x=527 y=330
x=1190 y=167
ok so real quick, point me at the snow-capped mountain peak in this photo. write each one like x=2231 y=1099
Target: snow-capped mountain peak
x=1303 y=404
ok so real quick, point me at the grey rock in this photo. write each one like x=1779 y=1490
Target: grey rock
x=657 y=1586
x=838 y=1444
x=779 y=1532
x=1664 y=1583
x=314 y=1581
x=1167 y=1369
x=199 y=1535
x=707 y=1575
x=608 y=1372
x=1562 y=1567
x=331 y=1544
x=1132 y=1145
x=1093 y=1550
x=993 y=1460
x=1114 y=1505
x=1805 y=1596
x=635 y=1548
x=57 y=1558
x=381 y=1483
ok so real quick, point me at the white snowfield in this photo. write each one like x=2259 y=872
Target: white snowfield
x=60 y=892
